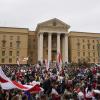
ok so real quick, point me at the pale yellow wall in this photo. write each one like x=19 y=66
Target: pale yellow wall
x=23 y=44
x=28 y=46
x=32 y=47
x=13 y=30
x=83 y=40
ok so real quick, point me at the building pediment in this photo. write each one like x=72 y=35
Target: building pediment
x=52 y=25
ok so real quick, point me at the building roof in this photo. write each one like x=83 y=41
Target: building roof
x=54 y=20
x=14 y=30
x=84 y=34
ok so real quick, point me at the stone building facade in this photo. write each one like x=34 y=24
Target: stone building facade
x=84 y=46
x=50 y=38
x=13 y=45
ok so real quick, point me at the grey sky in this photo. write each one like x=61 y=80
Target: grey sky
x=81 y=15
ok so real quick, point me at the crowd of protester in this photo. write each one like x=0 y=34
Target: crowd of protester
x=69 y=83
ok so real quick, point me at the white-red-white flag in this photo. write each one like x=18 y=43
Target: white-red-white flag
x=59 y=60
x=7 y=84
x=18 y=61
x=47 y=64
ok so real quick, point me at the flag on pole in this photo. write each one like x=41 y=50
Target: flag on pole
x=47 y=64
x=17 y=61
x=59 y=60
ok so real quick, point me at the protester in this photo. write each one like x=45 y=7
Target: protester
x=68 y=83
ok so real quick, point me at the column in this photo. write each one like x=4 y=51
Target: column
x=58 y=43
x=63 y=48
x=41 y=47
x=38 y=47
x=49 y=46
x=66 y=47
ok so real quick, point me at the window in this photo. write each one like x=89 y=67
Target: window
x=3 y=53
x=17 y=44
x=83 y=46
x=17 y=53
x=10 y=60
x=88 y=46
x=88 y=41
x=10 y=44
x=3 y=43
x=83 y=53
x=79 y=60
x=3 y=60
x=93 y=41
x=78 y=45
x=93 y=47
x=83 y=40
x=10 y=53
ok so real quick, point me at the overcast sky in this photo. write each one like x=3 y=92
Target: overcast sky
x=81 y=15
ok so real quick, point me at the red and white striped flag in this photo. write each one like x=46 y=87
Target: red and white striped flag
x=17 y=61
x=59 y=60
x=7 y=84
x=47 y=64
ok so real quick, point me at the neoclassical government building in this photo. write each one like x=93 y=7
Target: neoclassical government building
x=50 y=38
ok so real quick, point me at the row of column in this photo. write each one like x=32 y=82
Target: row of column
x=40 y=46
